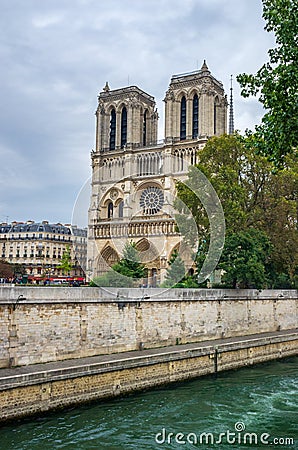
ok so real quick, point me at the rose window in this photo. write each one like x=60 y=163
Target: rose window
x=151 y=200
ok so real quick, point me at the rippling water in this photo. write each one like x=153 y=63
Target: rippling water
x=261 y=400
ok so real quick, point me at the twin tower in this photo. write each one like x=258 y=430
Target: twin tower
x=134 y=175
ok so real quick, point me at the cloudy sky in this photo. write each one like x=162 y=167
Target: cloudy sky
x=56 y=56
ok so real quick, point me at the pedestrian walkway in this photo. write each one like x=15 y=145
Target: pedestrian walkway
x=36 y=373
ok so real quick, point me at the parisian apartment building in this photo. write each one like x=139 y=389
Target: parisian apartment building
x=39 y=247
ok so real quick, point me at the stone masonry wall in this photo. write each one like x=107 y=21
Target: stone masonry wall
x=51 y=324
x=36 y=392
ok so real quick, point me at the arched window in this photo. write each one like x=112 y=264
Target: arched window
x=214 y=116
x=195 y=117
x=154 y=277
x=110 y=210
x=110 y=256
x=123 y=127
x=120 y=209
x=145 y=128
x=113 y=130
x=183 y=119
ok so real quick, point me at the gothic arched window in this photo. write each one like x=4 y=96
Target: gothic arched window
x=110 y=210
x=120 y=209
x=195 y=117
x=214 y=116
x=183 y=119
x=145 y=128
x=113 y=130
x=123 y=127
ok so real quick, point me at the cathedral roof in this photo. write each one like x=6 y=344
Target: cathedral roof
x=108 y=93
x=195 y=75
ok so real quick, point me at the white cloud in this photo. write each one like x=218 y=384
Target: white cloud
x=46 y=20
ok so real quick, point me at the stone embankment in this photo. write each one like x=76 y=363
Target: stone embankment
x=64 y=346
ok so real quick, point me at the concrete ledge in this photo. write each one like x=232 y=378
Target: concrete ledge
x=29 y=295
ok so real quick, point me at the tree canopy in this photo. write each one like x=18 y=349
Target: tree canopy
x=175 y=272
x=130 y=264
x=66 y=264
x=245 y=258
x=259 y=204
x=276 y=83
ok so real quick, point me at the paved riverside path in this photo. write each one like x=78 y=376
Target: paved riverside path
x=71 y=368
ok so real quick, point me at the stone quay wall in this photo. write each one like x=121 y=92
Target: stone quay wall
x=45 y=324
x=36 y=389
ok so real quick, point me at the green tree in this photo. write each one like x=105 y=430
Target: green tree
x=175 y=272
x=276 y=82
x=112 y=279
x=66 y=264
x=253 y=195
x=125 y=273
x=238 y=176
x=278 y=217
x=244 y=259
x=130 y=265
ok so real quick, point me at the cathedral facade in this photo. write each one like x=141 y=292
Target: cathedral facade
x=134 y=175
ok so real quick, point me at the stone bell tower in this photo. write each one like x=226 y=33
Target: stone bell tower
x=195 y=106
x=125 y=118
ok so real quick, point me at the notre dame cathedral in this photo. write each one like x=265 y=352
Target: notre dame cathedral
x=134 y=175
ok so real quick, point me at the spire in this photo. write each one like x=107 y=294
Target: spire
x=107 y=87
x=231 y=117
x=204 y=67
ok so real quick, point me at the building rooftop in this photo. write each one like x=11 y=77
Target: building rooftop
x=107 y=92
x=30 y=227
x=195 y=74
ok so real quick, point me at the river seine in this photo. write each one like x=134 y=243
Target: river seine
x=252 y=408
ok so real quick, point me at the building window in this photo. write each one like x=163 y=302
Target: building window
x=123 y=127
x=145 y=128
x=113 y=130
x=195 y=117
x=183 y=119
x=110 y=210
x=214 y=117
x=121 y=204
x=154 y=277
